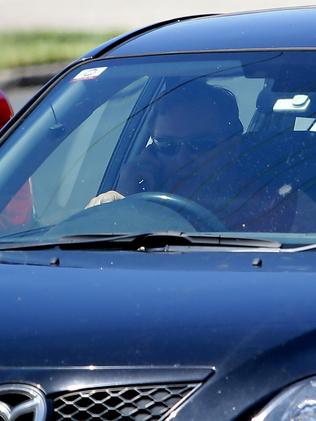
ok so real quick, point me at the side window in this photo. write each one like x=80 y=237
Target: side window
x=303 y=124
x=78 y=164
x=246 y=91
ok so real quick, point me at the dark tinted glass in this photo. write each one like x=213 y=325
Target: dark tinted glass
x=193 y=142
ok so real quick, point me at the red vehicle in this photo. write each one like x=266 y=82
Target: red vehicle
x=19 y=209
x=6 y=111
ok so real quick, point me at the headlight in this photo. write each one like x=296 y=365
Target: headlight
x=297 y=403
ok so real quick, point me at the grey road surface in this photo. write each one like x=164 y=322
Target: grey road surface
x=104 y=14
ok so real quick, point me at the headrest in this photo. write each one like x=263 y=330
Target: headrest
x=225 y=100
x=205 y=98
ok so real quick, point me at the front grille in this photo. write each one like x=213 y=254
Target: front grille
x=133 y=403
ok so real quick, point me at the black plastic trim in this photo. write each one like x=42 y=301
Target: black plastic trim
x=57 y=379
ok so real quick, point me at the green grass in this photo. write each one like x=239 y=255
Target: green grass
x=28 y=48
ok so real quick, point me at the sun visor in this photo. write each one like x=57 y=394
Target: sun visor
x=296 y=78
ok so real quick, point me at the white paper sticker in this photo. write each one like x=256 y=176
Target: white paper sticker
x=90 y=74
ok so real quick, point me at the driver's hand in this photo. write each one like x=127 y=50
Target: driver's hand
x=109 y=196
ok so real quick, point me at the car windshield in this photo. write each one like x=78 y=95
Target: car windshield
x=199 y=142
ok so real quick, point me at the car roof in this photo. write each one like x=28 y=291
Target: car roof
x=269 y=29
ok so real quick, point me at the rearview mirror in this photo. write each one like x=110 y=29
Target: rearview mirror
x=6 y=111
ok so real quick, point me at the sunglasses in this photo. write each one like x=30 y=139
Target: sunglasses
x=171 y=144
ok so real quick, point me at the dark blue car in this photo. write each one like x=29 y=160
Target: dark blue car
x=158 y=228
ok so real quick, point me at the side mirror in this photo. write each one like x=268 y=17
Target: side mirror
x=6 y=111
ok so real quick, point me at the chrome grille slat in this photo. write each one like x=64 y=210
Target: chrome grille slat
x=132 y=403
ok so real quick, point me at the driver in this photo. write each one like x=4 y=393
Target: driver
x=195 y=133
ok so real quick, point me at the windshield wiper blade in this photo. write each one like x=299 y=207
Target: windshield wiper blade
x=145 y=241
x=170 y=238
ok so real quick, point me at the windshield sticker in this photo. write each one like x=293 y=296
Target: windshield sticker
x=90 y=74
